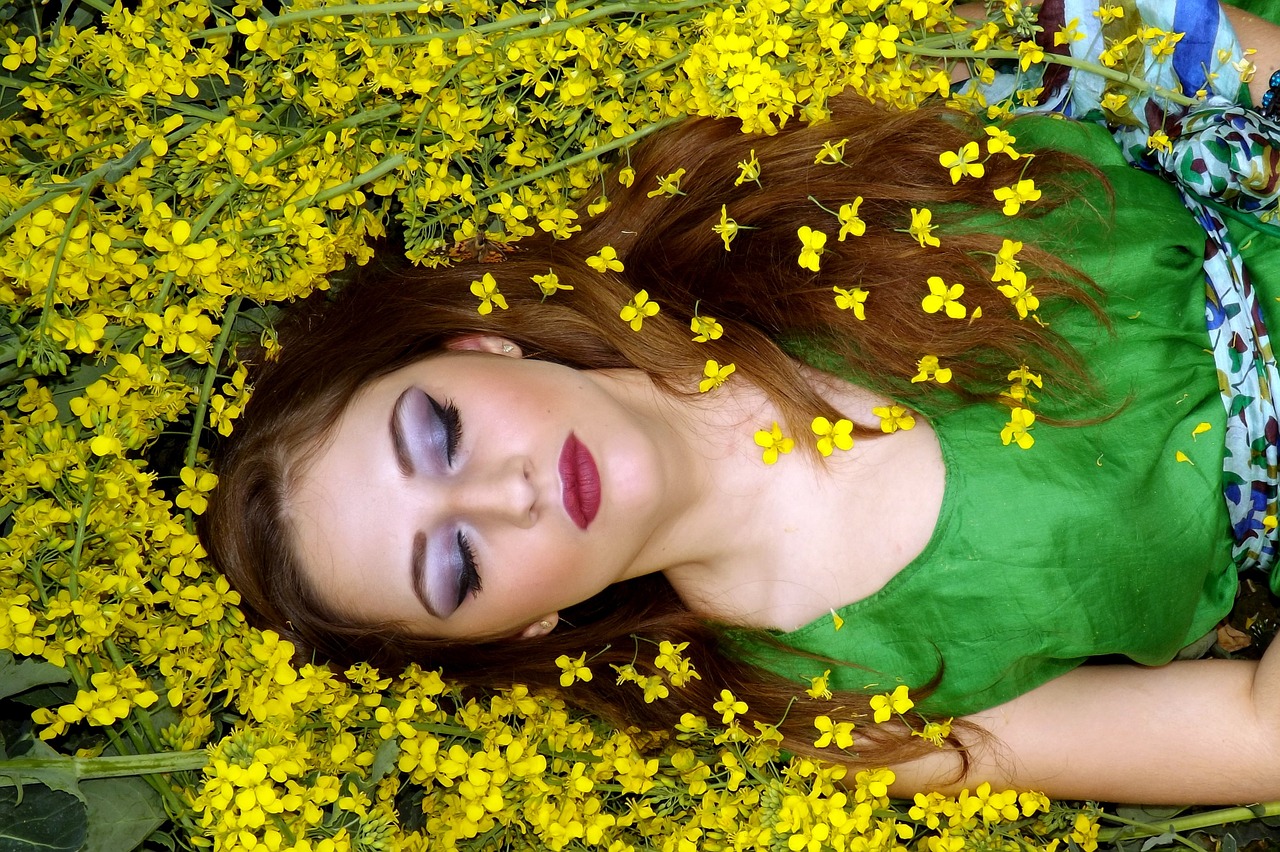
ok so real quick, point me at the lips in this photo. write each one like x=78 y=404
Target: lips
x=579 y=481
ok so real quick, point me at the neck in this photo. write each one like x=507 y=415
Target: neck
x=752 y=543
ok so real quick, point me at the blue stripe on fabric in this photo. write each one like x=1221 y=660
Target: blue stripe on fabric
x=1194 y=55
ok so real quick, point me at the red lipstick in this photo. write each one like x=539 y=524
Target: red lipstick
x=579 y=482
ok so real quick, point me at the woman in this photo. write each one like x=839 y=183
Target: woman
x=433 y=471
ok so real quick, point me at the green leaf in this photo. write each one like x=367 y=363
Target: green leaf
x=18 y=676
x=122 y=813
x=43 y=820
x=385 y=760
x=61 y=778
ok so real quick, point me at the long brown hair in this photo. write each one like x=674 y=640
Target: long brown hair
x=394 y=314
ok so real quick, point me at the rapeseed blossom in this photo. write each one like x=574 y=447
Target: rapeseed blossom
x=832 y=436
x=714 y=375
x=634 y=312
x=486 y=289
x=159 y=210
x=812 y=244
x=854 y=299
x=774 y=443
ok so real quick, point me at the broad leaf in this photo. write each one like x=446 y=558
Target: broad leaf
x=19 y=676
x=122 y=812
x=46 y=820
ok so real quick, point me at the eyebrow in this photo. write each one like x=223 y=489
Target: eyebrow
x=418 y=557
x=418 y=571
x=398 y=443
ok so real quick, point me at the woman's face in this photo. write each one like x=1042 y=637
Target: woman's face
x=476 y=493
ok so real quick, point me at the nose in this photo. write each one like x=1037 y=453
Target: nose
x=503 y=491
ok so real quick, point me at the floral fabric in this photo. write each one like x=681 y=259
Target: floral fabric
x=1221 y=156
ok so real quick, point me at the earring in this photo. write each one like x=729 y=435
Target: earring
x=545 y=625
x=507 y=347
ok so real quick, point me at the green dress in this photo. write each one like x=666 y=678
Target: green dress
x=1097 y=540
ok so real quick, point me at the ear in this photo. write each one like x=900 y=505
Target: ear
x=491 y=343
x=541 y=627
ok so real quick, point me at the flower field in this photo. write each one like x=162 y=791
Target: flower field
x=173 y=173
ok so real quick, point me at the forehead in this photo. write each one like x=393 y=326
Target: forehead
x=341 y=507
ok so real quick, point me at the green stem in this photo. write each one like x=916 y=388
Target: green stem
x=552 y=168
x=547 y=23
x=353 y=9
x=51 y=289
x=82 y=522
x=210 y=376
x=391 y=163
x=108 y=172
x=1191 y=822
x=1069 y=61
x=109 y=766
x=140 y=713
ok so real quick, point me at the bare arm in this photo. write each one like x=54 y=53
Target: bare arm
x=1203 y=732
x=1264 y=37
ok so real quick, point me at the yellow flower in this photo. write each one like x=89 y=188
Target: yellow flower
x=836 y=620
x=1159 y=141
x=891 y=703
x=1068 y=34
x=841 y=733
x=832 y=436
x=1107 y=13
x=604 y=260
x=572 y=670
x=637 y=309
x=729 y=706
x=727 y=229
x=812 y=242
x=819 y=689
x=944 y=298
x=894 y=417
x=831 y=153
x=774 y=443
x=550 y=283
x=928 y=368
x=196 y=484
x=852 y=300
x=627 y=176
x=1001 y=140
x=1007 y=261
x=1015 y=196
x=715 y=375
x=19 y=54
x=1029 y=53
x=668 y=185
x=849 y=221
x=705 y=328
x=1018 y=429
x=1200 y=429
x=963 y=163
x=748 y=170
x=935 y=732
x=1114 y=101
x=486 y=289
x=1019 y=292
x=922 y=227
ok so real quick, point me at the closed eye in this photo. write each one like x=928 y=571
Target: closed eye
x=425 y=434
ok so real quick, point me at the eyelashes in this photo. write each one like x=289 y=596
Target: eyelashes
x=467 y=572
x=469 y=575
x=451 y=420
